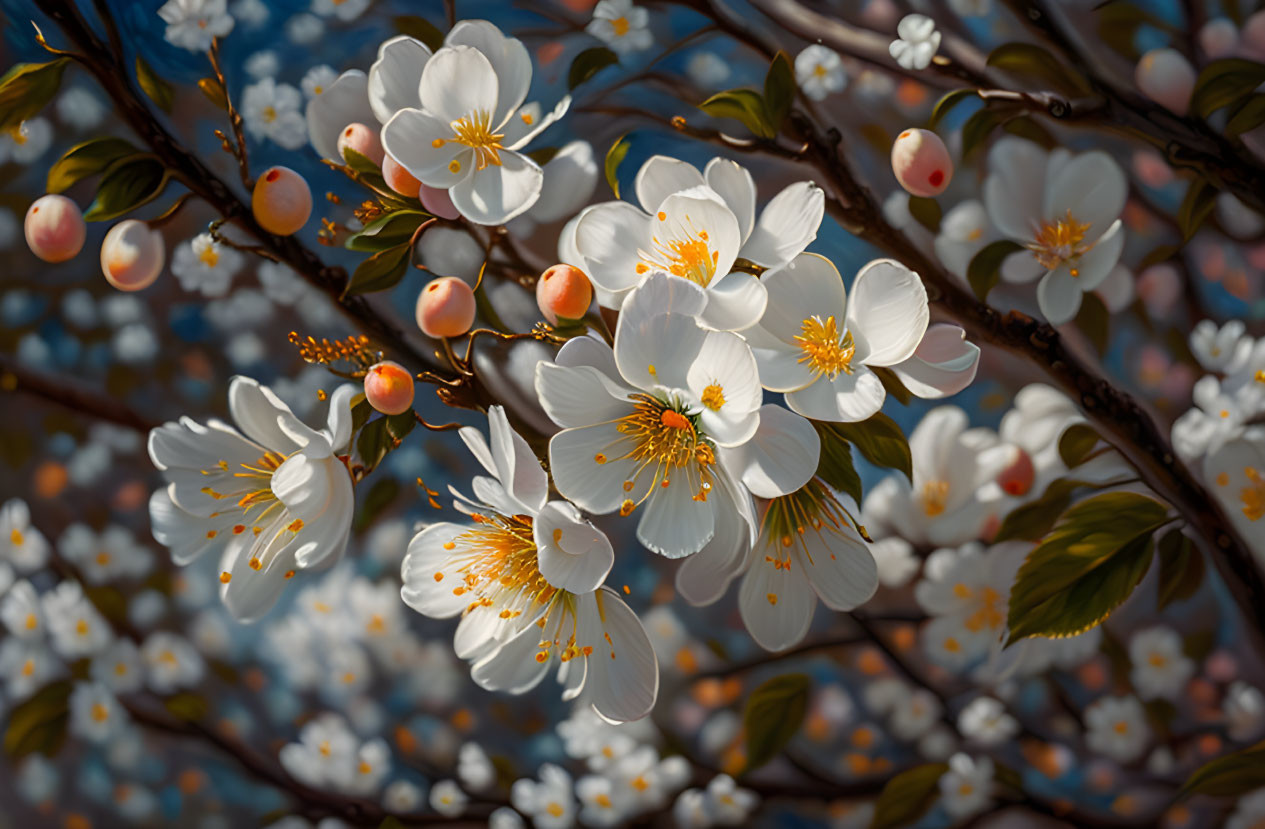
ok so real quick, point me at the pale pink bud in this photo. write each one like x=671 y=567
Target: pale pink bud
x=282 y=201
x=55 y=229
x=1016 y=479
x=1166 y=77
x=1222 y=667
x=921 y=163
x=437 y=202
x=1252 y=37
x=1159 y=287
x=563 y=293
x=445 y=308
x=132 y=255
x=399 y=179
x=363 y=140
x=1151 y=168
x=389 y=388
x=1219 y=38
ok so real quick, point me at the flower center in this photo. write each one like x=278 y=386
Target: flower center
x=15 y=537
x=691 y=258
x=99 y=712
x=1157 y=660
x=788 y=519
x=823 y=349
x=18 y=134
x=620 y=26
x=1057 y=242
x=269 y=114
x=714 y=397
x=1253 y=495
x=209 y=256
x=495 y=561
x=665 y=443
x=988 y=615
x=934 y=496
x=475 y=132
x=819 y=71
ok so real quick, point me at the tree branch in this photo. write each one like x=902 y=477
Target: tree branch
x=70 y=394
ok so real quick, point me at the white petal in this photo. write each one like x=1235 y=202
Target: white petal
x=623 y=673
x=672 y=523
x=1013 y=189
x=660 y=177
x=457 y=83
x=839 y=567
x=499 y=192
x=410 y=138
x=396 y=75
x=1092 y=186
x=705 y=576
x=1021 y=267
x=338 y=419
x=507 y=56
x=887 y=313
x=346 y=101
x=658 y=350
x=735 y=303
x=255 y=409
x=570 y=178
x=516 y=139
x=689 y=218
x=516 y=465
x=849 y=398
x=787 y=225
x=661 y=293
x=589 y=351
x=425 y=559
x=809 y=286
x=776 y=602
x=781 y=457
x=1097 y=263
x=944 y=363
x=780 y=366
x=1059 y=295
x=578 y=396
x=725 y=365
x=595 y=487
x=733 y=183
x=513 y=667
x=573 y=554
x=609 y=237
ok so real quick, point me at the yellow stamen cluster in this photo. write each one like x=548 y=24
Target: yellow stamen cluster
x=475 y=132
x=666 y=445
x=825 y=352
x=691 y=258
x=788 y=519
x=934 y=498
x=1054 y=243
x=1253 y=495
x=495 y=563
x=356 y=350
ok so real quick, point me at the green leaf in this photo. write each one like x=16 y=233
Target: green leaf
x=361 y=411
x=1224 y=82
x=360 y=163
x=1233 y=775
x=380 y=272
x=390 y=822
x=1086 y=567
x=126 y=185
x=907 y=796
x=1076 y=442
x=745 y=105
x=779 y=90
x=1248 y=117
x=387 y=231
x=373 y=443
x=880 y=441
x=399 y=425
x=614 y=157
x=1181 y=568
x=421 y=29
x=87 y=159
x=981 y=124
x=1029 y=61
x=1163 y=253
x=1031 y=521
x=158 y=90
x=892 y=384
x=773 y=714
x=946 y=104
x=984 y=270
x=26 y=88
x=834 y=465
x=926 y=211
x=588 y=63
x=1094 y=321
x=214 y=92
x=187 y=706
x=39 y=723
x=1196 y=205
x=380 y=496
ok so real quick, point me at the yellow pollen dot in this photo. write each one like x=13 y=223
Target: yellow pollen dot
x=120 y=669
x=289 y=574
x=662 y=215
x=437 y=143
x=270 y=114
x=965 y=790
x=557 y=535
x=364 y=767
x=28 y=667
x=1259 y=377
x=975 y=234
x=555 y=809
x=1057 y=242
x=819 y=71
x=1223 y=479
x=772 y=597
x=81 y=627
x=934 y=497
x=603 y=800
x=295 y=525
x=454 y=166
x=100 y=713
x=15 y=537
x=225 y=577
x=238 y=529
x=639 y=782
x=255 y=563
x=527 y=118
x=961 y=591
x=1121 y=727
x=951 y=645
x=32 y=621
x=714 y=397
x=475 y=132
x=599 y=458
x=1225 y=413
x=211 y=533
x=620 y=26
x=324 y=748
x=1253 y=495
x=209 y=256
x=626 y=507
x=1157 y=660
x=821 y=347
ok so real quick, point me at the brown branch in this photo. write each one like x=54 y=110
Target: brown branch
x=69 y=394
x=213 y=190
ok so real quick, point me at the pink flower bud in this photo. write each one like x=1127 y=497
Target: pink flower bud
x=282 y=201
x=54 y=228
x=132 y=255
x=1222 y=667
x=363 y=140
x=1016 y=479
x=445 y=308
x=1252 y=36
x=1219 y=38
x=437 y=202
x=389 y=388
x=1166 y=77
x=399 y=179
x=921 y=163
x=1159 y=286
x=563 y=293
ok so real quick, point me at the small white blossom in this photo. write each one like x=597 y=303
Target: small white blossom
x=1116 y=728
x=447 y=798
x=95 y=713
x=985 y=720
x=304 y=29
x=918 y=42
x=819 y=72
x=75 y=625
x=1160 y=668
x=171 y=662
x=80 y=109
x=621 y=26
x=274 y=110
x=1244 y=711
x=263 y=64
x=1222 y=349
x=315 y=82
x=707 y=69
x=205 y=266
x=21 y=544
x=344 y=10
x=27 y=143
x=193 y=24
x=967 y=787
x=118 y=667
